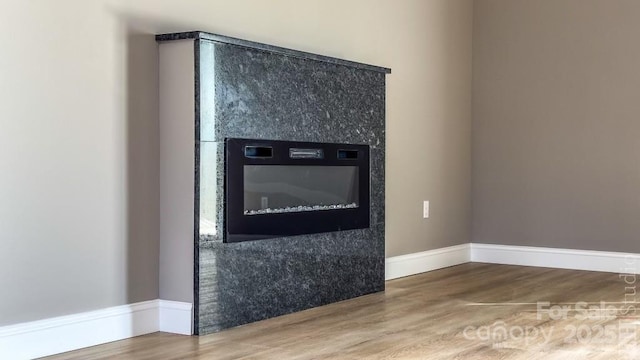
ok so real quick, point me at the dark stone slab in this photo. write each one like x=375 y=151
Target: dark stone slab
x=256 y=91
x=251 y=281
x=259 y=95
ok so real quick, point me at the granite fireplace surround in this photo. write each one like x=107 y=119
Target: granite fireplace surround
x=214 y=87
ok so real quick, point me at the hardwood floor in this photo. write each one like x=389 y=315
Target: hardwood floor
x=453 y=313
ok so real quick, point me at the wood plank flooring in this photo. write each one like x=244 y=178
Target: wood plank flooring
x=453 y=313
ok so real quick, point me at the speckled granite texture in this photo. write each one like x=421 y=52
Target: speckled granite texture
x=265 y=92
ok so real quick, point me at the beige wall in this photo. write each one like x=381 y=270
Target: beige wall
x=556 y=123
x=78 y=111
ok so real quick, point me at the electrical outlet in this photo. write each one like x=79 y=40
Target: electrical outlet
x=425 y=209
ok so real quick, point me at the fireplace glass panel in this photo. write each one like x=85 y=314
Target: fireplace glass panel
x=297 y=188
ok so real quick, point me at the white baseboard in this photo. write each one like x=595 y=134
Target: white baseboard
x=615 y=262
x=605 y=261
x=416 y=263
x=72 y=332
x=175 y=317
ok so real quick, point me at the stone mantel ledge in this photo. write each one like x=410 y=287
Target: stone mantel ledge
x=268 y=48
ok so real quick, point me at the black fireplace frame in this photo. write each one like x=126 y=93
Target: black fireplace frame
x=240 y=227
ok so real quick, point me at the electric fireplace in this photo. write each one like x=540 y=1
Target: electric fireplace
x=284 y=188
